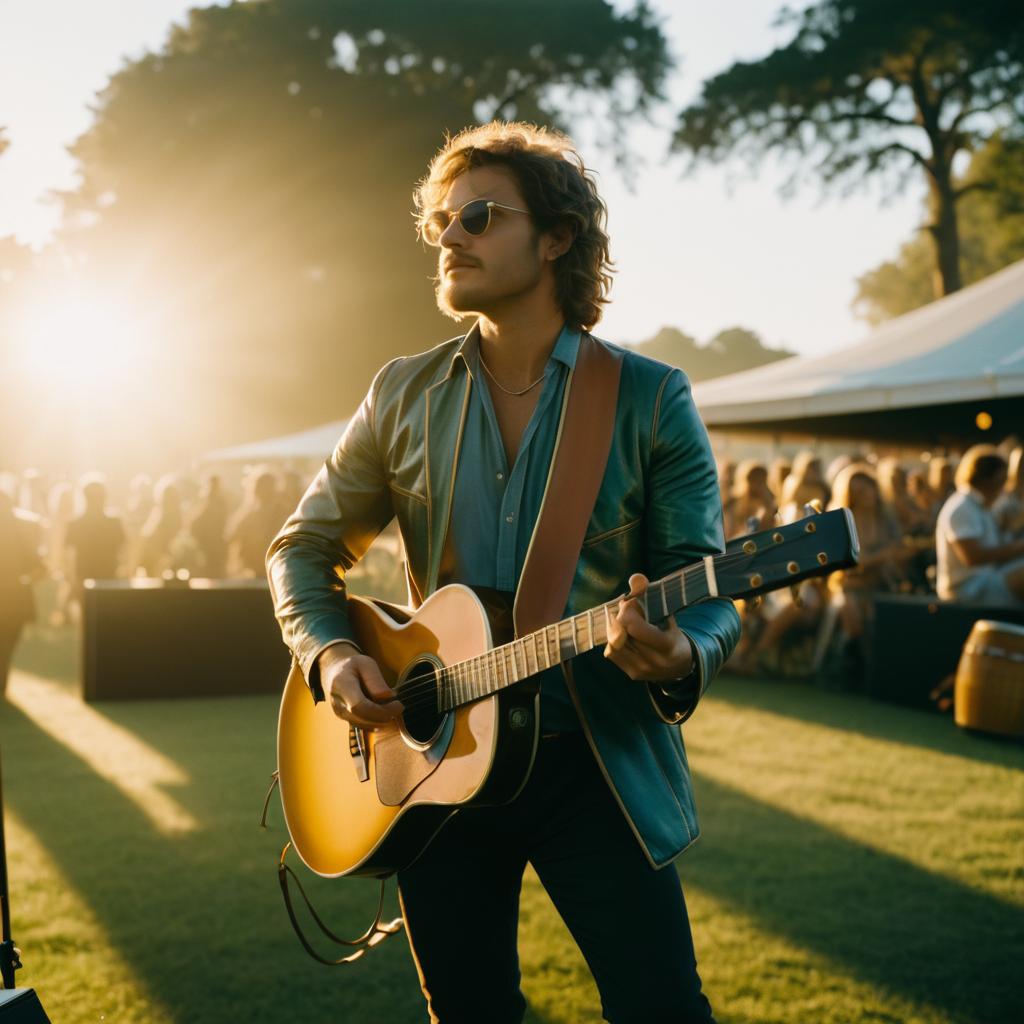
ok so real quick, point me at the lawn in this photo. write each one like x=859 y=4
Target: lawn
x=859 y=862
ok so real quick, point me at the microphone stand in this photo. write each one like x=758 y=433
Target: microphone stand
x=10 y=959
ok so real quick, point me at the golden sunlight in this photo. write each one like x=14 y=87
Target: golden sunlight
x=115 y=754
x=79 y=346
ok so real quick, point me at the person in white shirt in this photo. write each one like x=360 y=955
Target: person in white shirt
x=974 y=562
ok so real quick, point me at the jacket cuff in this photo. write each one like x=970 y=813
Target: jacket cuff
x=675 y=700
x=315 y=641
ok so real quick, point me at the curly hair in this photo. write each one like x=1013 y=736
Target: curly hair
x=558 y=190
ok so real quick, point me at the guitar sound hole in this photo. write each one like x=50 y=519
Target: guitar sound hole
x=418 y=693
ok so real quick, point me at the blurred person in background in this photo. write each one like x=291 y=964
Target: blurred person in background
x=208 y=526
x=137 y=509
x=941 y=482
x=61 y=511
x=254 y=525
x=94 y=539
x=805 y=483
x=882 y=553
x=921 y=495
x=1009 y=506
x=726 y=482
x=752 y=506
x=20 y=563
x=975 y=562
x=161 y=529
x=32 y=493
x=892 y=482
x=835 y=467
x=779 y=469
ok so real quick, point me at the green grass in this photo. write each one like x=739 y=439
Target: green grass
x=859 y=862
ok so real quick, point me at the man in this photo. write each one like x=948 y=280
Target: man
x=20 y=564
x=456 y=442
x=94 y=540
x=975 y=563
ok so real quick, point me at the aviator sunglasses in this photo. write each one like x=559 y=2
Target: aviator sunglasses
x=474 y=217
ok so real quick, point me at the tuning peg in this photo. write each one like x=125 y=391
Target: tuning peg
x=797 y=599
x=813 y=507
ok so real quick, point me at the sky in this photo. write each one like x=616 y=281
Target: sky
x=702 y=253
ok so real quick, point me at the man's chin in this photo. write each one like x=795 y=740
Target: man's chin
x=455 y=304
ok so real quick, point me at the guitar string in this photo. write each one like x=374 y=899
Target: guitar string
x=417 y=691
x=420 y=690
x=431 y=683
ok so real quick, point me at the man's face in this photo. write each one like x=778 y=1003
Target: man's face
x=488 y=273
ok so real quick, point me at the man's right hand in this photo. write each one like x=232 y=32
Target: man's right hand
x=355 y=688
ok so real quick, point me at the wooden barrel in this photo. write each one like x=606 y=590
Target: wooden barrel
x=990 y=679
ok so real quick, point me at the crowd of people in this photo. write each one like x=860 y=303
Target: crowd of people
x=954 y=528
x=941 y=525
x=176 y=526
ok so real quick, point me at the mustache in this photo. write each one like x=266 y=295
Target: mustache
x=458 y=261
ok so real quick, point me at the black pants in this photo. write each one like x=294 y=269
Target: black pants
x=461 y=902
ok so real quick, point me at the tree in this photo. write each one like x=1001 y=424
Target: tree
x=729 y=351
x=250 y=184
x=869 y=87
x=992 y=236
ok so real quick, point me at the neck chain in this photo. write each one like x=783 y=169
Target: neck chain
x=514 y=394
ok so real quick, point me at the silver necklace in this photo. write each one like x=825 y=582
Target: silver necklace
x=514 y=394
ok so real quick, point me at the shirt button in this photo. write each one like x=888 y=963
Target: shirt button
x=508 y=519
x=501 y=476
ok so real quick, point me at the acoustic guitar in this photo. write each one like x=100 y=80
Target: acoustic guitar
x=367 y=802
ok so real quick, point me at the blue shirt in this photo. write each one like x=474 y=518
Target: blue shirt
x=495 y=507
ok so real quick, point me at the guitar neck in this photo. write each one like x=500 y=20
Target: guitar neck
x=467 y=681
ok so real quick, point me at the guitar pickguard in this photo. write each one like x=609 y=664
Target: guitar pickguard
x=401 y=767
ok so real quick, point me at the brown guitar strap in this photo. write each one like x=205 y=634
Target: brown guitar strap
x=574 y=479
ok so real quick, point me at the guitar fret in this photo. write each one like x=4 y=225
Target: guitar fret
x=664 y=604
x=590 y=628
x=572 y=636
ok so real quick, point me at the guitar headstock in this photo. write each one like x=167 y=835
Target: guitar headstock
x=813 y=546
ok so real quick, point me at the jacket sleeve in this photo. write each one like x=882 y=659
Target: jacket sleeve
x=683 y=524
x=345 y=507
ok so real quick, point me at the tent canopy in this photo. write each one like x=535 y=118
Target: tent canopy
x=923 y=375
x=316 y=443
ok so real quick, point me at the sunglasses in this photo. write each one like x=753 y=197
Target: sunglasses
x=474 y=217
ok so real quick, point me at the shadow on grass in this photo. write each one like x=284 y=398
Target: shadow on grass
x=886 y=922
x=861 y=714
x=197 y=917
x=52 y=652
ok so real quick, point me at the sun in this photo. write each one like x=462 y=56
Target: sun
x=79 y=345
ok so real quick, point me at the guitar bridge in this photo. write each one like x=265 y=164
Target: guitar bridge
x=357 y=748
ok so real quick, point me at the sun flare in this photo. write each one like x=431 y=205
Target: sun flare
x=80 y=346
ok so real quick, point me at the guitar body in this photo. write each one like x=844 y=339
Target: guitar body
x=366 y=802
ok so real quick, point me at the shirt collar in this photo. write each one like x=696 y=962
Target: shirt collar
x=567 y=347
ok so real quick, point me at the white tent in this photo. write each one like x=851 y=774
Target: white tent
x=927 y=373
x=316 y=443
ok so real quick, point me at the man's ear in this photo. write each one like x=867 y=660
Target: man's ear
x=559 y=241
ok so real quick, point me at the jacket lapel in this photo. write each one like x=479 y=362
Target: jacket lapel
x=444 y=422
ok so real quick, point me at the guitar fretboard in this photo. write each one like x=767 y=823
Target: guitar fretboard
x=466 y=681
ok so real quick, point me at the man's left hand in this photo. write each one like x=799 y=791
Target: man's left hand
x=642 y=650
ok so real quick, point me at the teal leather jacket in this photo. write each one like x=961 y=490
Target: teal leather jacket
x=658 y=509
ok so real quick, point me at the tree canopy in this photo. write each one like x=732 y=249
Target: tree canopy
x=991 y=229
x=871 y=87
x=729 y=351
x=247 y=189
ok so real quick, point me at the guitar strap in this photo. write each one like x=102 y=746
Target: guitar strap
x=574 y=479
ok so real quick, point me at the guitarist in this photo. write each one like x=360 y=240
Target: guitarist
x=457 y=442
